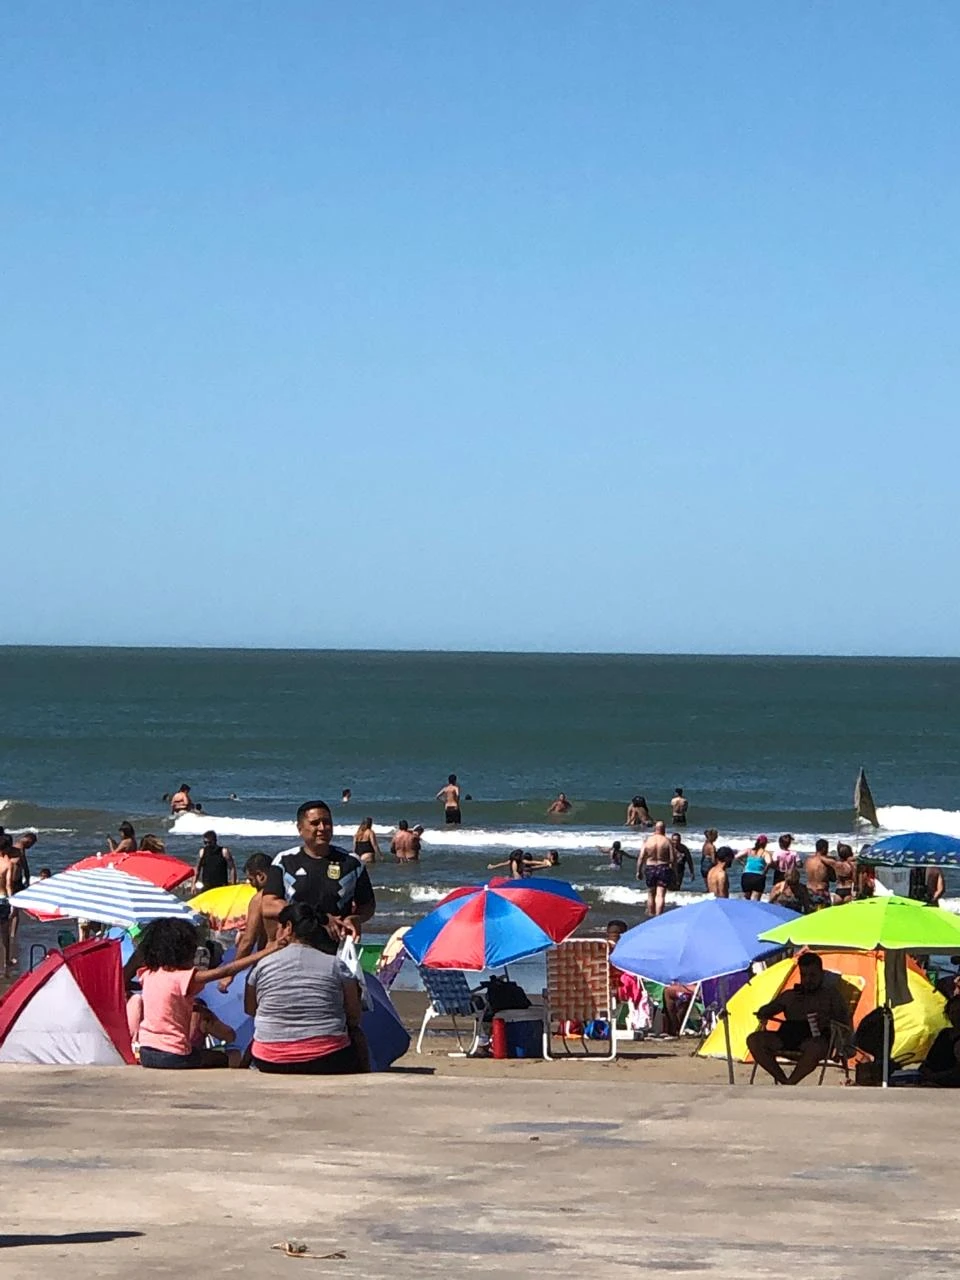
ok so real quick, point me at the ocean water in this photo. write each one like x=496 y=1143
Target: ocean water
x=89 y=737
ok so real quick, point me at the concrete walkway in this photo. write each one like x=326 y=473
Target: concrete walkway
x=129 y=1174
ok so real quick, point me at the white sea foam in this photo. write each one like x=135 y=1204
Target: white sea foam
x=903 y=817
x=427 y=893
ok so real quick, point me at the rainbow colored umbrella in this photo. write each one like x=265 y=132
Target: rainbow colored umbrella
x=489 y=925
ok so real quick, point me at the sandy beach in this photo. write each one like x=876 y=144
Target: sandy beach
x=533 y=1171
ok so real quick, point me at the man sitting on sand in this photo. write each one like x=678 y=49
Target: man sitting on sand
x=941 y=1066
x=808 y=1010
x=655 y=868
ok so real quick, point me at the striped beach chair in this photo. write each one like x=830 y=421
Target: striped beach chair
x=579 y=990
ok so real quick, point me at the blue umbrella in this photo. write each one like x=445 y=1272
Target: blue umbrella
x=707 y=940
x=711 y=939
x=915 y=849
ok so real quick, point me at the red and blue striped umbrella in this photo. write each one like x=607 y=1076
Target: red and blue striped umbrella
x=488 y=925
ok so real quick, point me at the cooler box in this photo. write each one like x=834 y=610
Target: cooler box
x=517 y=1033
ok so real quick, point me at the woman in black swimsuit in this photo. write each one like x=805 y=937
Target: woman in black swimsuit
x=365 y=842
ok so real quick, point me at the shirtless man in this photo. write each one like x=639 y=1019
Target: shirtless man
x=678 y=806
x=257 y=931
x=655 y=868
x=21 y=873
x=718 y=882
x=450 y=795
x=935 y=886
x=405 y=845
x=560 y=805
x=180 y=801
x=820 y=873
x=8 y=865
x=681 y=860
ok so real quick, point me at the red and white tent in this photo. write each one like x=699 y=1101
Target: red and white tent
x=70 y=1011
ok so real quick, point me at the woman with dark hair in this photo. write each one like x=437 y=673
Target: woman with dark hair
x=127 y=842
x=365 y=845
x=164 y=1018
x=305 y=1003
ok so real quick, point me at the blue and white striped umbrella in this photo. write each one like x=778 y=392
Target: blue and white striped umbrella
x=105 y=894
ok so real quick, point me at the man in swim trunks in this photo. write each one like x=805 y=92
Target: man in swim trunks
x=450 y=795
x=808 y=1010
x=718 y=881
x=7 y=867
x=21 y=874
x=405 y=845
x=655 y=868
x=560 y=805
x=679 y=805
x=820 y=873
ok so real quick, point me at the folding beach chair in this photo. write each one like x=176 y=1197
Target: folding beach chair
x=841 y=1047
x=579 y=990
x=450 y=997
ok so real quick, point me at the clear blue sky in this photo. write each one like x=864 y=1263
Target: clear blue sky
x=511 y=324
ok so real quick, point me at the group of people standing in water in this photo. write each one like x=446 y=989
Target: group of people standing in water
x=828 y=878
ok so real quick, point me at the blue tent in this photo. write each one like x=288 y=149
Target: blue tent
x=915 y=849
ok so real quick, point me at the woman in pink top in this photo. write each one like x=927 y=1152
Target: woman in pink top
x=163 y=1015
x=784 y=860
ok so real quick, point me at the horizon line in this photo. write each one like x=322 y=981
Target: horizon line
x=497 y=652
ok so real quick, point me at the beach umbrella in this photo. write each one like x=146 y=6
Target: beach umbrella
x=871 y=924
x=898 y=926
x=710 y=939
x=226 y=906
x=489 y=925
x=915 y=849
x=156 y=868
x=111 y=896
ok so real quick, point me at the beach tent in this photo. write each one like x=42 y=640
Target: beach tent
x=70 y=1011
x=915 y=1024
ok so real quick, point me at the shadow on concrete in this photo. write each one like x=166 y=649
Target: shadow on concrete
x=68 y=1237
x=413 y=1071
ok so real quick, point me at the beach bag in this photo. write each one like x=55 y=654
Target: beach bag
x=347 y=954
x=387 y=1037
x=503 y=994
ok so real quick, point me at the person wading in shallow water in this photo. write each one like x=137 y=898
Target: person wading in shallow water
x=679 y=806
x=655 y=868
x=450 y=795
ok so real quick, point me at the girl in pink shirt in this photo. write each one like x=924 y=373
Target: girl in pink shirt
x=163 y=1017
